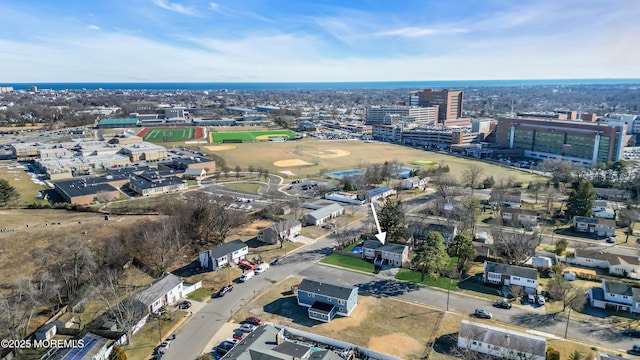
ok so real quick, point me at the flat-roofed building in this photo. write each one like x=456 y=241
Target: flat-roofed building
x=86 y=191
x=584 y=143
x=449 y=103
x=389 y=115
x=144 y=151
x=117 y=123
x=27 y=151
x=152 y=184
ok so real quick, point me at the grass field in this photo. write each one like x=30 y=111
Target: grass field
x=323 y=157
x=348 y=262
x=252 y=188
x=22 y=182
x=172 y=134
x=249 y=136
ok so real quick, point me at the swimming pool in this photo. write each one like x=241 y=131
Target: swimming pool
x=343 y=173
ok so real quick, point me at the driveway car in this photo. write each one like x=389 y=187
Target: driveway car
x=225 y=289
x=261 y=268
x=482 y=313
x=253 y=321
x=239 y=334
x=224 y=347
x=163 y=347
x=632 y=332
x=502 y=305
x=247 y=327
x=184 y=305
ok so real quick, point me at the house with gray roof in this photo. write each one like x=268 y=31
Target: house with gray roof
x=620 y=265
x=325 y=300
x=615 y=295
x=221 y=256
x=390 y=254
x=320 y=216
x=287 y=229
x=166 y=291
x=267 y=342
x=597 y=226
x=507 y=275
x=499 y=342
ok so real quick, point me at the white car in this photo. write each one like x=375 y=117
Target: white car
x=163 y=347
x=247 y=275
x=261 y=268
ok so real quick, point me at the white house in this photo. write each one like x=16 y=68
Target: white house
x=600 y=205
x=320 y=216
x=166 y=291
x=414 y=182
x=500 y=343
x=621 y=265
x=615 y=295
x=519 y=217
x=507 y=275
x=220 y=256
x=600 y=227
x=288 y=229
x=380 y=193
x=395 y=255
x=344 y=197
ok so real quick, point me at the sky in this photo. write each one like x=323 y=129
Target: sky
x=316 y=41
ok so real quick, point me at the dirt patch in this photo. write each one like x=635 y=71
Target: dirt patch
x=220 y=147
x=358 y=315
x=398 y=344
x=330 y=153
x=291 y=162
x=271 y=136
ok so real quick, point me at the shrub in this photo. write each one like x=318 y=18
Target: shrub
x=552 y=354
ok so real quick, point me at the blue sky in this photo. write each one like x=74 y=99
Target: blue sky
x=298 y=40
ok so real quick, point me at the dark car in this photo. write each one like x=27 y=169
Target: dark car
x=482 y=313
x=277 y=261
x=224 y=347
x=183 y=305
x=225 y=289
x=632 y=332
x=502 y=305
x=253 y=321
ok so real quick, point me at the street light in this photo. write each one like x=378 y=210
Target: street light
x=566 y=329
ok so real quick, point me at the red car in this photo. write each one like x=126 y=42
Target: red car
x=253 y=321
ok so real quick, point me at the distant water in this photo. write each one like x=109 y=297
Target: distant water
x=316 y=85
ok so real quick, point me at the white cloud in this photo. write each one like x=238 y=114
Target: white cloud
x=213 y=6
x=93 y=27
x=176 y=7
x=415 y=32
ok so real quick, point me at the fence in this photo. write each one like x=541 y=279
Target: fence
x=189 y=288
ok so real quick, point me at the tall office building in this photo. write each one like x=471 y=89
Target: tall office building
x=449 y=102
x=390 y=115
x=579 y=142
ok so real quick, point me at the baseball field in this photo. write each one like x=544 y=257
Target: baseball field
x=249 y=136
x=168 y=134
x=309 y=157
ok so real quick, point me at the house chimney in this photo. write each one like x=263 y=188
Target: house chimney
x=280 y=337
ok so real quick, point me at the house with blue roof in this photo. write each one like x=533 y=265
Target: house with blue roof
x=325 y=300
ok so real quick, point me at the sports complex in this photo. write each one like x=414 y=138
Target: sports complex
x=170 y=134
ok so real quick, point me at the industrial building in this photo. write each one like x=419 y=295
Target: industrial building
x=428 y=136
x=448 y=102
x=389 y=115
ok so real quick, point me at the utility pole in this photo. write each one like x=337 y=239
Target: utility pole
x=449 y=290
x=566 y=329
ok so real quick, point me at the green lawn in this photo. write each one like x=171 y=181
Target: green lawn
x=172 y=134
x=348 y=262
x=149 y=336
x=252 y=188
x=414 y=277
x=200 y=294
x=248 y=136
x=19 y=179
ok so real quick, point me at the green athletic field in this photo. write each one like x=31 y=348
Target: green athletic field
x=249 y=136
x=172 y=134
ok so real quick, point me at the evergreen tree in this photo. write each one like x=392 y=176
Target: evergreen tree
x=7 y=193
x=431 y=258
x=392 y=220
x=581 y=199
x=462 y=248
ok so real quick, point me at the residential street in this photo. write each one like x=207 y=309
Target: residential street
x=196 y=333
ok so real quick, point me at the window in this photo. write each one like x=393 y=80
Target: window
x=328 y=299
x=312 y=295
x=341 y=302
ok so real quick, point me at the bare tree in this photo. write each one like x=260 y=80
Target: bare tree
x=160 y=245
x=628 y=218
x=471 y=176
x=561 y=289
x=283 y=227
x=121 y=304
x=517 y=246
x=251 y=169
x=17 y=308
x=444 y=185
x=237 y=172
x=516 y=291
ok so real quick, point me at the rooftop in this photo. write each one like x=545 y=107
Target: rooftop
x=226 y=249
x=520 y=271
x=326 y=288
x=118 y=121
x=502 y=337
x=158 y=289
x=388 y=247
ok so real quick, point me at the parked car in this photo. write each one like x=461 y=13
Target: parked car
x=632 y=332
x=224 y=347
x=247 y=275
x=277 y=261
x=225 y=289
x=246 y=327
x=482 y=313
x=261 y=268
x=163 y=347
x=611 y=240
x=541 y=300
x=239 y=334
x=502 y=305
x=183 y=305
x=253 y=321
x=636 y=348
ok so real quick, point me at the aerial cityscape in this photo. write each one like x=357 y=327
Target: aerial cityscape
x=319 y=180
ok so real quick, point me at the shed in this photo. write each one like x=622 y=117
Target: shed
x=46 y=331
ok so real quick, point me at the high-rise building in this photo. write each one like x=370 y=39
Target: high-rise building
x=389 y=115
x=449 y=102
x=579 y=142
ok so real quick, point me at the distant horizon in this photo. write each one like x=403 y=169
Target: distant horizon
x=311 y=85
